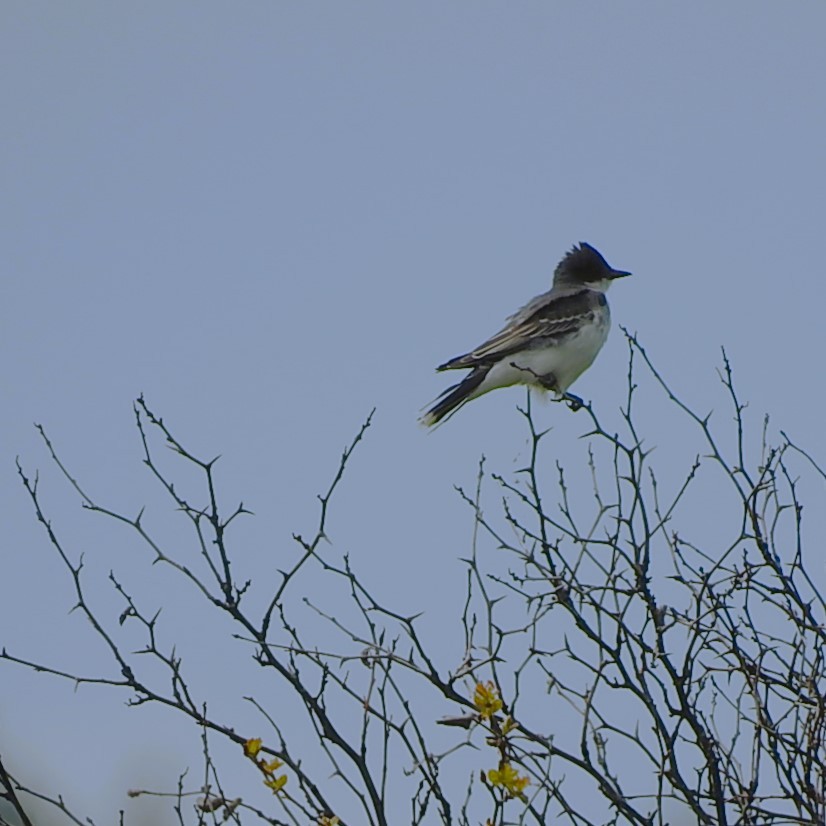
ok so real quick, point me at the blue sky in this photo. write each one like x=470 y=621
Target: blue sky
x=271 y=217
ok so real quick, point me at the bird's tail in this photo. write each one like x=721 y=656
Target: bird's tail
x=454 y=397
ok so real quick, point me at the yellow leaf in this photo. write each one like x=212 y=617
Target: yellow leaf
x=272 y=766
x=486 y=699
x=252 y=747
x=506 y=777
x=276 y=783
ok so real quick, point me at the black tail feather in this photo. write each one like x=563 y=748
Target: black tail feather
x=453 y=398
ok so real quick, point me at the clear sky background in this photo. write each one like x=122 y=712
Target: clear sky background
x=271 y=217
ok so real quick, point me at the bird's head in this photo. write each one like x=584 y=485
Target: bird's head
x=584 y=266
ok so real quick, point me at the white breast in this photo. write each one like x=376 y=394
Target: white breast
x=566 y=360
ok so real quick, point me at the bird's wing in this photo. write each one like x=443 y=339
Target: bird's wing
x=549 y=317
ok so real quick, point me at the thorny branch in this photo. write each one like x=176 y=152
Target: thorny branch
x=625 y=658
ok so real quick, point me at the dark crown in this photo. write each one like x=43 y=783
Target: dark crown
x=584 y=263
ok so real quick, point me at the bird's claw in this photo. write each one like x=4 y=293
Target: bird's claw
x=574 y=402
x=549 y=382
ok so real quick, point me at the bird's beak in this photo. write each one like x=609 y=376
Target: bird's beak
x=618 y=274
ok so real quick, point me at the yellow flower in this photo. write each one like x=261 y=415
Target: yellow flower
x=270 y=768
x=252 y=747
x=276 y=783
x=486 y=699
x=506 y=777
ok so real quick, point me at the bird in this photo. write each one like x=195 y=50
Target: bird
x=548 y=343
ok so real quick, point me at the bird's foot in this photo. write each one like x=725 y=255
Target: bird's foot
x=574 y=402
x=546 y=381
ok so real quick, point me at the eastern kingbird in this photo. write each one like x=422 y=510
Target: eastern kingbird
x=549 y=343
